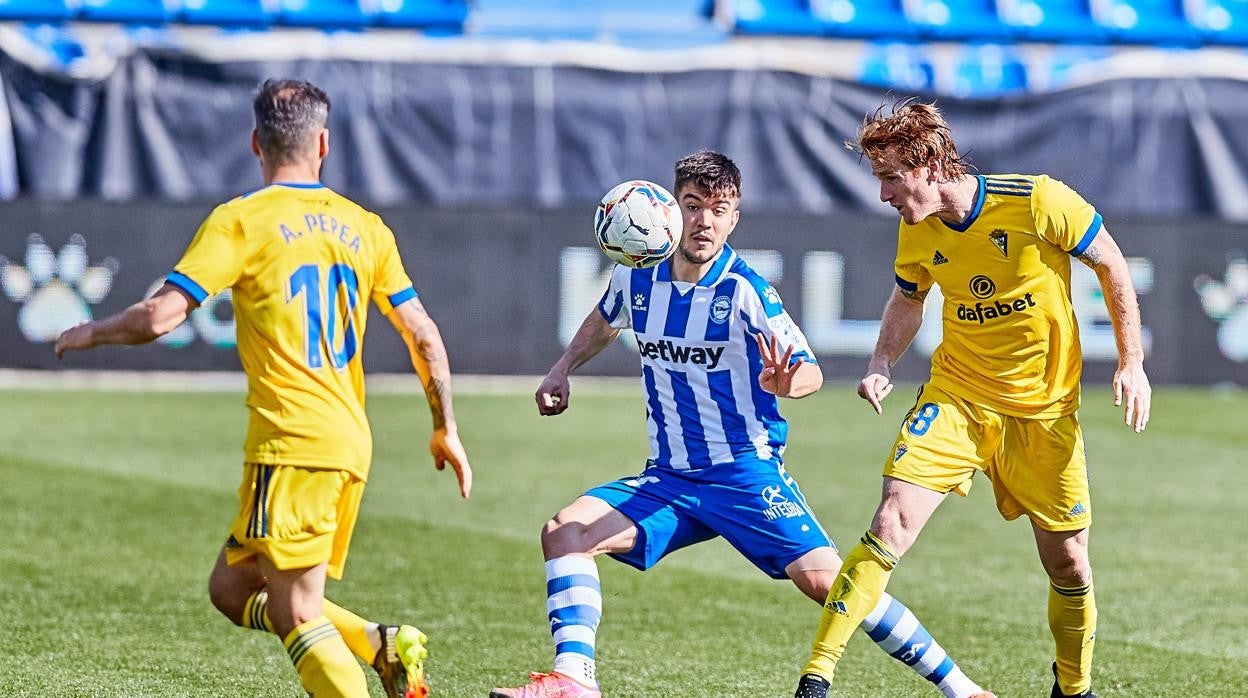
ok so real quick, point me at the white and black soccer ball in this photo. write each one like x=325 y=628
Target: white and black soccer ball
x=638 y=224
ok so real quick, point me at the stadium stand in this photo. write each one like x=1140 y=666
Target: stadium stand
x=898 y=65
x=641 y=23
x=988 y=70
x=1147 y=22
x=1064 y=21
x=225 y=13
x=35 y=10
x=959 y=20
x=141 y=12
x=868 y=19
x=1223 y=21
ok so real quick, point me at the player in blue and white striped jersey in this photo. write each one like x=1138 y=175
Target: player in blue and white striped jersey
x=717 y=350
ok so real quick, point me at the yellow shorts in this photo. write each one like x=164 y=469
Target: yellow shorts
x=1037 y=466
x=295 y=517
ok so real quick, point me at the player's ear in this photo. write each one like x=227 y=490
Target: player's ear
x=323 y=144
x=736 y=217
x=255 y=142
x=933 y=170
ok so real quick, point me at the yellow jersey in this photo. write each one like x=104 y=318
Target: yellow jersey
x=302 y=262
x=1011 y=342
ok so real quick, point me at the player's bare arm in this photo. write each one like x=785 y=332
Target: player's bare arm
x=1130 y=382
x=428 y=354
x=781 y=375
x=594 y=335
x=141 y=323
x=902 y=317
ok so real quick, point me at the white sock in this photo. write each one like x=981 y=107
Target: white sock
x=574 y=606
x=899 y=633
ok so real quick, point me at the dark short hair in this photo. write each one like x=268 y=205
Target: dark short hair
x=709 y=171
x=289 y=115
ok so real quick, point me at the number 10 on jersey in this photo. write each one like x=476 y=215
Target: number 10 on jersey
x=306 y=281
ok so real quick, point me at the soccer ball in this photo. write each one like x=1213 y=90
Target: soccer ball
x=638 y=224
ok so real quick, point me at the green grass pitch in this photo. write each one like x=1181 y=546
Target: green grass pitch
x=114 y=505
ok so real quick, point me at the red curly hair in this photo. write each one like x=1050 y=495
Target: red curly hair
x=916 y=132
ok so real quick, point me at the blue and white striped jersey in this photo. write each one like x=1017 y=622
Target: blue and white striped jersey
x=699 y=362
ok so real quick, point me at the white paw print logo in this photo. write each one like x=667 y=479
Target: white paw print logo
x=56 y=290
x=1227 y=302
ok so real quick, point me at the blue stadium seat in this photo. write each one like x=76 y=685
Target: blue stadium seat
x=57 y=41
x=648 y=23
x=126 y=11
x=1148 y=22
x=1062 y=21
x=899 y=66
x=325 y=14
x=774 y=17
x=960 y=20
x=863 y=19
x=35 y=10
x=1067 y=63
x=988 y=71
x=438 y=15
x=1221 y=21
x=225 y=13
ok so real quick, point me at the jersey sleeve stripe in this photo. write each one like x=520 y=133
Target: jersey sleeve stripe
x=397 y=299
x=610 y=315
x=1088 y=236
x=187 y=284
x=908 y=286
x=1008 y=192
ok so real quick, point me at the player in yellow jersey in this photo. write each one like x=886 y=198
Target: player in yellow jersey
x=1004 y=386
x=303 y=262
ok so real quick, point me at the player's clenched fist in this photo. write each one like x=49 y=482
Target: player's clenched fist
x=552 y=395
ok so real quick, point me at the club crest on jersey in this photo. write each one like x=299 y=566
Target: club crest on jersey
x=1001 y=240
x=721 y=308
x=901 y=451
x=639 y=301
x=939 y=258
x=778 y=505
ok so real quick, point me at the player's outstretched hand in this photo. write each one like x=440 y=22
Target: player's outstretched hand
x=875 y=386
x=446 y=448
x=76 y=337
x=1131 y=386
x=777 y=374
x=552 y=395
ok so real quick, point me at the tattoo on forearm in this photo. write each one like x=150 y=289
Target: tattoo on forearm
x=437 y=393
x=1091 y=257
x=915 y=295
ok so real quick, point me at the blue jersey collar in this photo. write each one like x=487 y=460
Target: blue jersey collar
x=300 y=185
x=979 y=206
x=663 y=272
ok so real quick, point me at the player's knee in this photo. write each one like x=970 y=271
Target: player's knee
x=226 y=599
x=568 y=537
x=890 y=527
x=1071 y=570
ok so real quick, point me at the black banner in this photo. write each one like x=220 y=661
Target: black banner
x=509 y=288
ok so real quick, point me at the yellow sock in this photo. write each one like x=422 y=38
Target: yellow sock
x=1072 y=618
x=256 y=612
x=325 y=665
x=359 y=634
x=856 y=591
